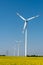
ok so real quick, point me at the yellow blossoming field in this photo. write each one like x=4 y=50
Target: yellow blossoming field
x=11 y=60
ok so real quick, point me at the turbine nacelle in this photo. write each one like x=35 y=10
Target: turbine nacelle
x=26 y=20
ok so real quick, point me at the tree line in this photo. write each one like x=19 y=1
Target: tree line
x=34 y=55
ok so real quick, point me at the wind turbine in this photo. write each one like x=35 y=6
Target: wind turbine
x=25 y=28
x=18 y=46
x=7 y=52
x=14 y=51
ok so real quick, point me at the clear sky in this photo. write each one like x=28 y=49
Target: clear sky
x=11 y=26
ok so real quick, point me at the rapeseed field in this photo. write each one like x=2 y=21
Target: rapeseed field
x=11 y=60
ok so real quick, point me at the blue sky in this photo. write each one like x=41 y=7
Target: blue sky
x=11 y=26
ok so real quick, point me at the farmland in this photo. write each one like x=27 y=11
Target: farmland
x=11 y=60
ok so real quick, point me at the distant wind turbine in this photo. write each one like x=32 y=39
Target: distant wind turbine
x=14 y=51
x=25 y=28
x=18 y=47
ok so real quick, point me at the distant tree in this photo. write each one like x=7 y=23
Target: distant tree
x=28 y=55
x=32 y=55
x=2 y=55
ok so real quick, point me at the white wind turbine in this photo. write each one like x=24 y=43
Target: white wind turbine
x=14 y=51
x=18 y=47
x=25 y=28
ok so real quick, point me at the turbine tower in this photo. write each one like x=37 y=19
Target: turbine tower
x=25 y=28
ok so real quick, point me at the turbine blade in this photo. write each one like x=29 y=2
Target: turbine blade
x=21 y=16
x=32 y=17
x=25 y=24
